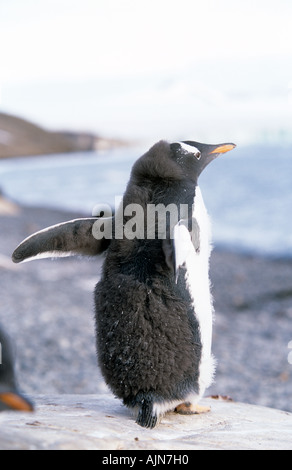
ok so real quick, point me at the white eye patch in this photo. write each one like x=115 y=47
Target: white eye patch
x=190 y=149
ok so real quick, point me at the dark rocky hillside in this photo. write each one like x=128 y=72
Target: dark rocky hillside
x=19 y=137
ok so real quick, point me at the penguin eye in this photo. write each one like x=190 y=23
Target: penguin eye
x=198 y=155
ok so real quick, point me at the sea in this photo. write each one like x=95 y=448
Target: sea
x=248 y=192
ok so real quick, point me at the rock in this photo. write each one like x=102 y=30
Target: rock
x=20 y=137
x=84 y=422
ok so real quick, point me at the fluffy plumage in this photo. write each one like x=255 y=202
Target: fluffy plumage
x=153 y=304
x=148 y=331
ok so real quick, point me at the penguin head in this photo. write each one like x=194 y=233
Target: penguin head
x=177 y=160
x=193 y=157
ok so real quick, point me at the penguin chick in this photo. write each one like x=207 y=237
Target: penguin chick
x=10 y=397
x=153 y=305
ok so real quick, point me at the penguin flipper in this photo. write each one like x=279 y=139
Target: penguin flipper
x=186 y=238
x=193 y=229
x=76 y=237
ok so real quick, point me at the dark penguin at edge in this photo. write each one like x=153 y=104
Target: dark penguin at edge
x=10 y=396
x=153 y=305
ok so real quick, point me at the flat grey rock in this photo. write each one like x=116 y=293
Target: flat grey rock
x=85 y=422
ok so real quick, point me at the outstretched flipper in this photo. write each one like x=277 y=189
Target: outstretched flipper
x=66 y=239
x=186 y=238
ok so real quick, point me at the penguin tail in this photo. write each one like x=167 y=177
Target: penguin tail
x=146 y=418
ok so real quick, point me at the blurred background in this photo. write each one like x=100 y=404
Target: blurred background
x=86 y=87
x=113 y=77
x=150 y=69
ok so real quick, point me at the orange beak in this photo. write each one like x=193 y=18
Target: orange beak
x=15 y=402
x=223 y=148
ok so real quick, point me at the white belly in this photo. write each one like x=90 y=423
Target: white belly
x=197 y=264
x=198 y=283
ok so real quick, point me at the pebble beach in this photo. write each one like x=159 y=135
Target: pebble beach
x=47 y=308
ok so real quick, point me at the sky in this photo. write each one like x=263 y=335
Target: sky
x=146 y=69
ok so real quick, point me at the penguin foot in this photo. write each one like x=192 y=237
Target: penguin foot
x=146 y=421
x=146 y=418
x=190 y=409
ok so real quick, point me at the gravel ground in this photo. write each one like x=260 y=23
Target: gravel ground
x=47 y=307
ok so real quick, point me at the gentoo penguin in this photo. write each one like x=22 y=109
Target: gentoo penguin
x=10 y=397
x=153 y=302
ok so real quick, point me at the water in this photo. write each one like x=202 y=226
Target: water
x=248 y=192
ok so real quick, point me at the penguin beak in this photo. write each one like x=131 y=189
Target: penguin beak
x=208 y=153
x=15 y=402
x=223 y=148
x=211 y=152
